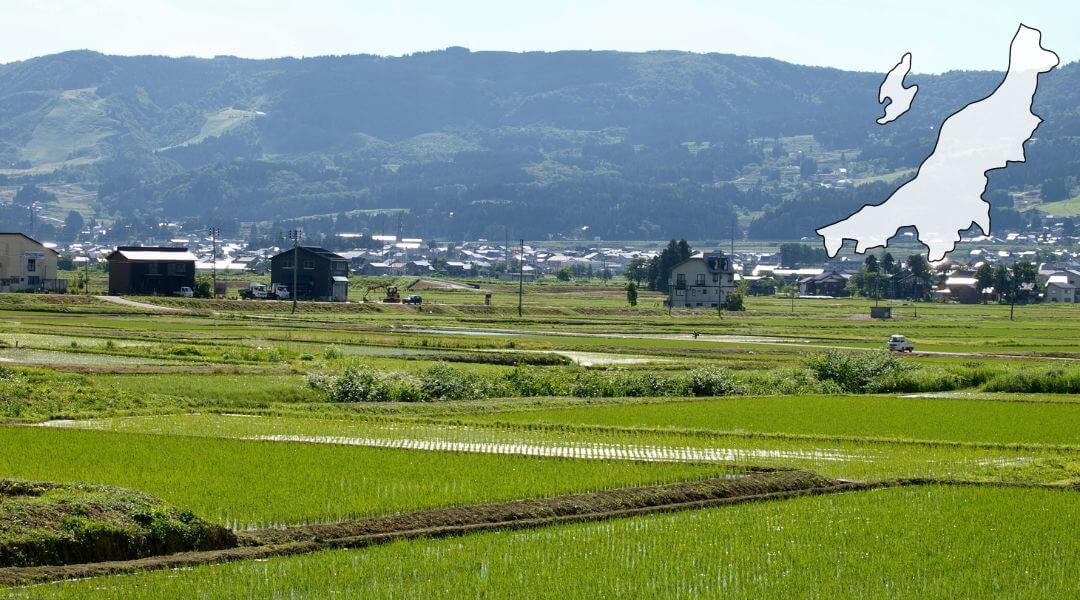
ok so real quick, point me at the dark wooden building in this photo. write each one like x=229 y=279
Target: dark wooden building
x=906 y=284
x=829 y=283
x=323 y=275
x=150 y=271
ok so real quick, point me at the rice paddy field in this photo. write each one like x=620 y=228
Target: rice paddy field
x=922 y=542
x=953 y=471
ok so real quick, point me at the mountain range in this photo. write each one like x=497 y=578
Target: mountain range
x=465 y=144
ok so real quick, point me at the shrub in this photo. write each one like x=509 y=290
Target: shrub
x=332 y=352
x=856 y=371
x=1050 y=381
x=789 y=380
x=354 y=384
x=711 y=381
x=401 y=387
x=524 y=381
x=734 y=301
x=918 y=380
x=443 y=382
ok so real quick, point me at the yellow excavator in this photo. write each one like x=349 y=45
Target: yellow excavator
x=392 y=294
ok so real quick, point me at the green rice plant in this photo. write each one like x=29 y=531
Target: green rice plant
x=768 y=432
x=918 y=542
x=880 y=417
x=261 y=483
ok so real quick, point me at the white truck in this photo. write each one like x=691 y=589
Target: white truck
x=185 y=292
x=898 y=343
x=260 y=291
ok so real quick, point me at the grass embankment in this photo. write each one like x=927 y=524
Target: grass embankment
x=54 y=524
x=935 y=541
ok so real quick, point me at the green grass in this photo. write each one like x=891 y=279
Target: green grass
x=1061 y=208
x=251 y=483
x=950 y=419
x=923 y=542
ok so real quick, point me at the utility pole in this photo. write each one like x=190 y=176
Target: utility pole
x=1013 y=289
x=733 y=240
x=521 y=277
x=214 y=233
x=86 y=273
x=295 y=235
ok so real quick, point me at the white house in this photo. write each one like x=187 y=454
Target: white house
x=702 y=281
x=1063 y=286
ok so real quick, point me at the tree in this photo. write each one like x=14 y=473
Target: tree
x=871 y=264
x=1002 y=282
x=563 y=274
x=1054 y=189
x=203 y=286
x=869 y=284
x=631 y=293
x=636 y=270
x=984 y=278
x=766 y=286
x=794 y=255
x=888 y=263
x=73 y=226
x=734 y=301
x=917 y=264
x=1022 y=274
x=659 y=268
x=29 y=194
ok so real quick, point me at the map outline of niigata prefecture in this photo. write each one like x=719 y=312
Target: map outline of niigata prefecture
x=945 y=196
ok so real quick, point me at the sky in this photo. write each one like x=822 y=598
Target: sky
x=860 y=35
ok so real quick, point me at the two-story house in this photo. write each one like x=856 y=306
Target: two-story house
x=1064 y=286
x=26 y=264
x=322 y=275
x=702 y=281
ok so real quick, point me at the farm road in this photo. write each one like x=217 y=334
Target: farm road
x=721 y=339
x=134 y=304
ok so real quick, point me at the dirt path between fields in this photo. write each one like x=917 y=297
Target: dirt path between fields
x=721 y=339
x=142 y=305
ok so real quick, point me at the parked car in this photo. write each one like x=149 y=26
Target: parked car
x=185 y=292
x=413 y=300
x=898 y=343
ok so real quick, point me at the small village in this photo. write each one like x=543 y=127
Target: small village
x=972 y=274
